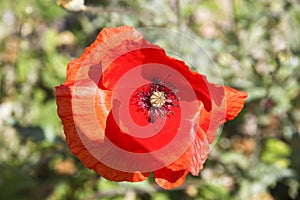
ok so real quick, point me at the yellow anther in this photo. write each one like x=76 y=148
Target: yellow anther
x=157 y=99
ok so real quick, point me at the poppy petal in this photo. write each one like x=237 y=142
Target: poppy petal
x=234 y=102
x=138 y=51
x=194 y=158
x=196 y=155
x=168 y=178
x=198 y=82
x=231 y=106
x=65 y=111
x=104 y=35
x=199 y=152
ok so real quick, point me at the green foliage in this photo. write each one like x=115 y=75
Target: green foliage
x=255 y=44
x=213 y=192
x=276 y=152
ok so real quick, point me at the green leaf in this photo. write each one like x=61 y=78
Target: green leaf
x=276 y=152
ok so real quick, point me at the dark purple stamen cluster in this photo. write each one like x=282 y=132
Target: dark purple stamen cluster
x=143 y=100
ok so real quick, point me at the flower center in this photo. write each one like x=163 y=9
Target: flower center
x=157 y=99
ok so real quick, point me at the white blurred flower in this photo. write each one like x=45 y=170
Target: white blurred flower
x=72 y=5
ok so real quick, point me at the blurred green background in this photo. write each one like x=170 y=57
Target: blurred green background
x=256 y=45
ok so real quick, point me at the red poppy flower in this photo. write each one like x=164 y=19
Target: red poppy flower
x=128 y=110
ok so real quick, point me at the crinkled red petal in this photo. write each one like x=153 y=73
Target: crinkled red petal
x=104 y=35
x=139 y=144
x=143 y=54
x=199 y=152
x=231 y=106
x=65 y=112
x=169 y=179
